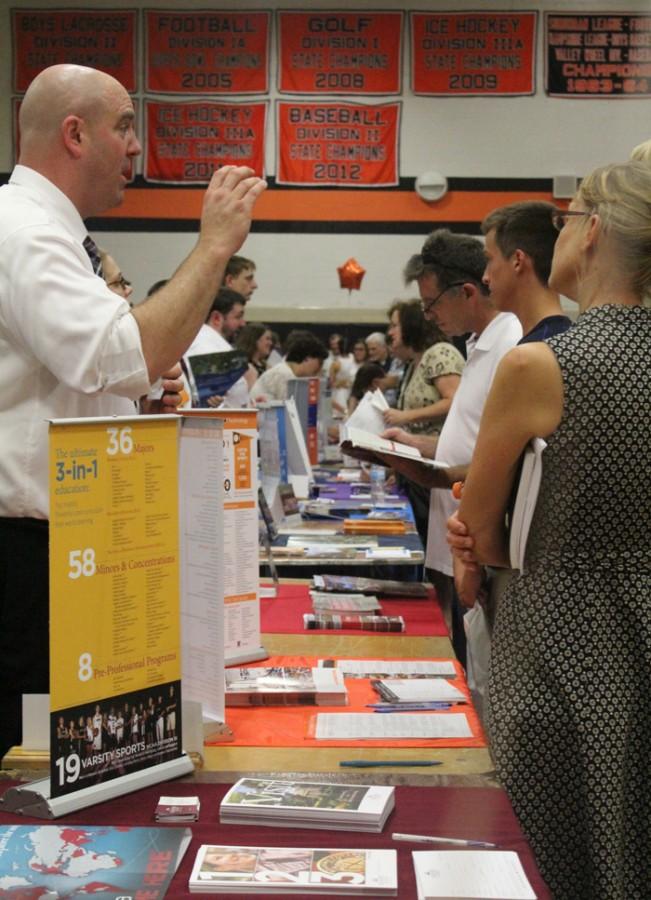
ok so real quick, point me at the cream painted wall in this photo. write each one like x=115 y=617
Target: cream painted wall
x=528 y=137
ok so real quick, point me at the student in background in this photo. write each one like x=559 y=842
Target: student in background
x=305 y=355
x=569 y=715
x=256 y=341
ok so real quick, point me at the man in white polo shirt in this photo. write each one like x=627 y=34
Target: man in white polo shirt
x=449 y=272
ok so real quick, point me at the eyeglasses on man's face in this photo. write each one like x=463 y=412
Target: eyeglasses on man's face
x=561 y=216
x=428 y=304
x=119 y=282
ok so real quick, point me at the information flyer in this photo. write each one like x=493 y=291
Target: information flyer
x=240 y=556
x=473 y=53
x=102 y=38
x=114 y=598
x=335 y=52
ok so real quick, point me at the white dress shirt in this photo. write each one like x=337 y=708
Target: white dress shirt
x=209 y=340
x=69 y=346
x=459 y=433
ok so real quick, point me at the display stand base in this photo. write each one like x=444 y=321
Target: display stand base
x=34 y=799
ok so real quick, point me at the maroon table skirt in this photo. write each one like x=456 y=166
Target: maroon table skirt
x=477 y=813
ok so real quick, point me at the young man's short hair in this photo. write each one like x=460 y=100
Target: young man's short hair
x=525 y=226
x=238 y=264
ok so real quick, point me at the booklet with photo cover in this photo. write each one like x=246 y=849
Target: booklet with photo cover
x=294 y=870
x=213 y=374
x=310 y=804
x=104 y=861
x=414 y=590
x=284 y=686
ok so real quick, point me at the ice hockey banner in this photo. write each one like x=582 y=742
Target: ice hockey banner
x=335 y=52
x=473 y=53
x=347 y=144
x=187 y=141
x=604 y=55
x=102 y=38
x=206 y=52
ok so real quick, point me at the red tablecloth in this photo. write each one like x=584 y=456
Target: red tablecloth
x=284 y=614
x=477 y=813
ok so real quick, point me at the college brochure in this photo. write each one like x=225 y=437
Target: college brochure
x=284 y=685
x=296 y=804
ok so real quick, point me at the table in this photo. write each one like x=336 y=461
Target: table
x=479 y=813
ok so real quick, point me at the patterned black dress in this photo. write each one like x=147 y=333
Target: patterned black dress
x=570 y=690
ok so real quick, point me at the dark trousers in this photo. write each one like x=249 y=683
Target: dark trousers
x=453 y=611
x=24 y=621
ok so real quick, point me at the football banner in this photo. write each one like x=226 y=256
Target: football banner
x=347 y=144
x=206 y=52
x=102 y=38
x=334 y=52
x=187 y=141
x=597 y=55
x=471 y=53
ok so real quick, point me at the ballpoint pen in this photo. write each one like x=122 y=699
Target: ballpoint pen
x=416 y=707
x=430 y=839
x=372 y=763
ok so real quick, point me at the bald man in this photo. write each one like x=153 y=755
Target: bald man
x=69 y=346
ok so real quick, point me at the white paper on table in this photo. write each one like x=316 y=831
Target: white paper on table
x=424 y=689
x=376 y=726
x=388 y=553
x=364 y=668
x=490 y=874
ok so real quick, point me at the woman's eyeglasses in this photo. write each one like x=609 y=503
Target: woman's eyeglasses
x=560 y=217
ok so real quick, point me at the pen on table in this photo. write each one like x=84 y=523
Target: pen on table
x=407 y=707
x=373 y=763
x=430 y=839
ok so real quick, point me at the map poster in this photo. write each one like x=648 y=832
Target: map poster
x=186 y=142
x=206 y=51
x=339 y=52
x=115 y=666
x=473 y=53
x=347 y=144
x=103 y=39
x=602 y=55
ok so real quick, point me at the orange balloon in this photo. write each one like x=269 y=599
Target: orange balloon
x=351 y=274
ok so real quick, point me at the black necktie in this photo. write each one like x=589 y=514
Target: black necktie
x=92 y=250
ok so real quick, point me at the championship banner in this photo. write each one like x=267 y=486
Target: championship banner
x=335 y=52
x=206 y=52
x=114 y=599
x=347 y=144
x=186 y=142
x=473 y=53
x=103 y=39
x=597 y=55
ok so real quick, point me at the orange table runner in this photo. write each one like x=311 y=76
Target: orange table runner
x=288 y=726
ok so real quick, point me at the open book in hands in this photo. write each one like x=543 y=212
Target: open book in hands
x=373 y=444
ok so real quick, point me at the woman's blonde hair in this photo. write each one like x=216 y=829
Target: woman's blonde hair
x=621 y=195
x=642 y=153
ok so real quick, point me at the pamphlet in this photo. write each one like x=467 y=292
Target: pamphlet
x=214 y=374
x=284 y=685
x=368 y=726
x=346 y=583
x=290 y=870
x=525 y=502
x=381 y=668
x=313 y=804
x=177 y=809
